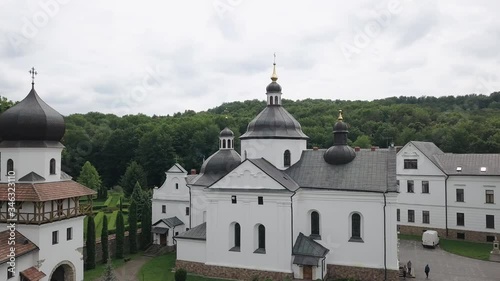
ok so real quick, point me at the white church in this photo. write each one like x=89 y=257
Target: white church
x=41 y=219
x=280 y=210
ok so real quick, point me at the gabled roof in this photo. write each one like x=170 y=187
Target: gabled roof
x=31 y=177
x=177 y=168
x=275 y=173
x=196 y=233
x=170 y=222
x=429 y=149
x=32 y=274
x=307 y=251
x=65 y=176
x=370 y=171
x=471 y=164
x=46 y=191
x=23 y=245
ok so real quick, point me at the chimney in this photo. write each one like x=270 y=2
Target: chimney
x=357 y=148
x=315 y=148
x=193 y=171
x=374 y=148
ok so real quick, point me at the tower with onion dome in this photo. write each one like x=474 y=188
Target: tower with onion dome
x=274 y=134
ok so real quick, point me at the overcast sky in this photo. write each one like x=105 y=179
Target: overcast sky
x=162 y=57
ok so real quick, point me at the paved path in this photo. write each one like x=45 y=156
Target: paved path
x=129 y=270
x=445 y=266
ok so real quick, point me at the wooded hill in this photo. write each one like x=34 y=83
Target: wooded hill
x=462 y=124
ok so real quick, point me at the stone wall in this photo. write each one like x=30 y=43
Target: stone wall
x=360 y=273
x=111 y=246
x=452 y=233
x=230 y=272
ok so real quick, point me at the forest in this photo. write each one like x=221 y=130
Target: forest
x=458 y=124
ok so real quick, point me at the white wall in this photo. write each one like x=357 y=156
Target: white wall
x=191 y=250
x=335 y=208
x=175 y=199
x=22 y=263
x=273 y=149
x=198 y=206
x=28 y=160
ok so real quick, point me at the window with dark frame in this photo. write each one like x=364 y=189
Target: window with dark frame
x=411 y=215
x=164 y=209
x=490 y=221
x=410 y=186
x=315 y=225
x=69 y=233
x=233 y=199
x=426 y=217
x=237 y=235
x=460 y=195
x=460 y=219
x=261 y=236
x=355 y=227
x=10 y=165
x=187 y=211
x=410 y=164
x=398 y=215
x=176 y=186
x=55 y=237
x=260 y=200
x=425 y=186
x=490 y=197
x=286 y=158
x=52 y=166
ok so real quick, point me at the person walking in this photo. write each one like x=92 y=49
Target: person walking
x=409 y=268
x=404 y=272
x=427 y=270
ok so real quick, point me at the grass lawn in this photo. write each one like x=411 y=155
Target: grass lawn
x=160 y=269
x=93 y=274
x=475 y=250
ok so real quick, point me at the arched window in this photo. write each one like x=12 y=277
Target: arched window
x=246 y=154
x=356 y=228
x=261 y=239
x=10 y=165
x=52 y=166
x=286 y=158
x=271 y=100
x=315 y=225
x=228 y=143
x=276 y=100
x=223 y=143
x=237 y=235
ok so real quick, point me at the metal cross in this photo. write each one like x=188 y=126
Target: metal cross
x=33 y=74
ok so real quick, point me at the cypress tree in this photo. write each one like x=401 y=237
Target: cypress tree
x=104 y=239
x=109 y=275
x=120 y=233
x=90 y=243
x=132 y=223
x=146 y=225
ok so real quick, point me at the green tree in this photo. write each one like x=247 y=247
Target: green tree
x=90 y=243
x=132 y=222
x=120 y=235
x=180 y=274
x=134 y=173
x=140 y=197
x=362 y=141
x=146 y=225
x=109 y=274
x=89 y=177
x=104 y=239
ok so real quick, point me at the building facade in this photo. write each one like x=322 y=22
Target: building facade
x=455 y=194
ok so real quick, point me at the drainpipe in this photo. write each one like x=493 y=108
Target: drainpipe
x=291 y=217
x=446 y=203
x=323 y=269
x=190 y=207
x=385 y=238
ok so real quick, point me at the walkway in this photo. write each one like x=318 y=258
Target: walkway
x=129 y=270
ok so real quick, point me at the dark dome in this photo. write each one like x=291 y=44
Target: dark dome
x=339 y=154
x=31 y=119
x=340 y=127
x=226 y=133
x=221 y=162
x=273 y=87
x=274 y=122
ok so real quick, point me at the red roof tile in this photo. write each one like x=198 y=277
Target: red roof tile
x=23 y=245
x=46 y=191
x=32 y=274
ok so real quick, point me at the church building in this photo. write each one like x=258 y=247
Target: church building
x=280 y=210
x=41 y=217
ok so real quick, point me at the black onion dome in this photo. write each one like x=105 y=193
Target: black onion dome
x=221 y=162
x=339 y=154
x=274 y=122
x=273 y=87
x=31 y=119
x=340 y=127
x=226 y=133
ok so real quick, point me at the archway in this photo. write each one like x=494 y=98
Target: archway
x=64 y=271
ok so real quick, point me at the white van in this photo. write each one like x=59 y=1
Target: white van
x=430 y=238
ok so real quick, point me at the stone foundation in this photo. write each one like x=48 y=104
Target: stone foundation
x=474 y=236
x=230 y=272
x=360 y=273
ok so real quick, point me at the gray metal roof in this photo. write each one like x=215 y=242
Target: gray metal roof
x=274 y=122
x=217 y=166
x=65 y=176
x=429 y=149
x=306 y=246
x=31 y=119
x=275 y=173
x=190 y=178
x=159 y=230
x=170 y=222
x=196 y=233
x=177 y=168
x=31 y=177
x=305 y=260
x=370 y=171
x=471 y=164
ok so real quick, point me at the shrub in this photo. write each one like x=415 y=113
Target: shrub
x=255 y=278
x=180 y=274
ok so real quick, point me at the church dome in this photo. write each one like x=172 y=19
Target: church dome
x=340 y=153
x=31 y=119
x=226 y=133
x=274 y=122
x=273 y=87
x=221 y=162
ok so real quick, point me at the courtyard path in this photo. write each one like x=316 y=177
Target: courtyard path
x=129 y=270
